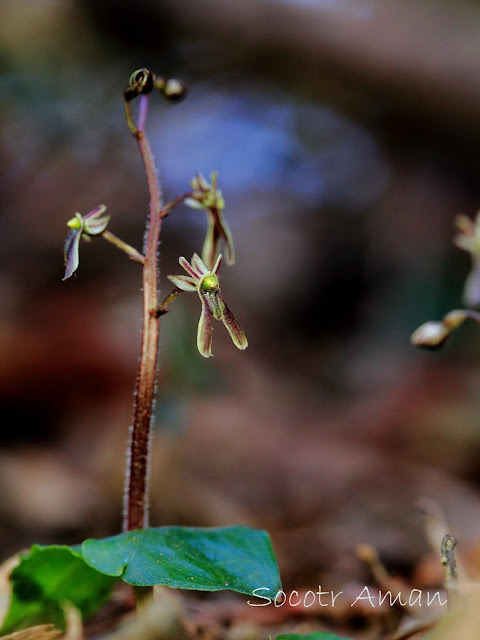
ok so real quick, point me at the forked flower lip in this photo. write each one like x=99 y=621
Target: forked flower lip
x=205 y=282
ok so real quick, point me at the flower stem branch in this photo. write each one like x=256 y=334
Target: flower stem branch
x=163 y=308
x=132 y=253
x=170 y=205
x=136 y=486
x=472 y=315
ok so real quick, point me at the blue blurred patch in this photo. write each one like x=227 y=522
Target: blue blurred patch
x=260 y=142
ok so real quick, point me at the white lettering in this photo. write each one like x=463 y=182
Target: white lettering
x=362 y=597
x=436 y=595
x=417 y=600
x=323 y=593
x=257 y=595
x=382 y=598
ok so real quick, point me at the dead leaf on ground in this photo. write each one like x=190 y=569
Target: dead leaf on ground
x=39 y=632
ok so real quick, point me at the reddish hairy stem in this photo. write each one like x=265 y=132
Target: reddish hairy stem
x=136 y=486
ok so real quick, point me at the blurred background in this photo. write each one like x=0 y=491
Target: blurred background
x=345 y=134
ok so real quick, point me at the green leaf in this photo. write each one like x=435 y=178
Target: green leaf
x=45 y=579
x=316 y=635
x=236 y=558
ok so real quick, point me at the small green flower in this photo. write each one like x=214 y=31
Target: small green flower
x=205 y=283
x=91 y=224
x=206 y=196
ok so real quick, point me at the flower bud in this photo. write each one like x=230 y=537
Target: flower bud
x=454 y=319
x=175 y=90
x=430 y=335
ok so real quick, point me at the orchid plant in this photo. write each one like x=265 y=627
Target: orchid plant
x=52 y=585
x=236 y=558
x=202 y=277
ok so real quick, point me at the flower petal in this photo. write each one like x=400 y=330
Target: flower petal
x=70 y=252
x=193 y=204
x=183 y=282
x=213 y=180
x=199 y=182
x=95 y=213
x=188 y=268
x=97 y=226
x=217 y=264
x=95 y=222
x=199 y=265
x=205 y=329
x=234 y=329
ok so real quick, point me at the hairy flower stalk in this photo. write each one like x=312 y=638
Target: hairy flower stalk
x=142 y=82
x=136 y=489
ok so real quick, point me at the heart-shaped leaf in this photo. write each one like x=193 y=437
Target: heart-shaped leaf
x=236 y=558
x=47 y=578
